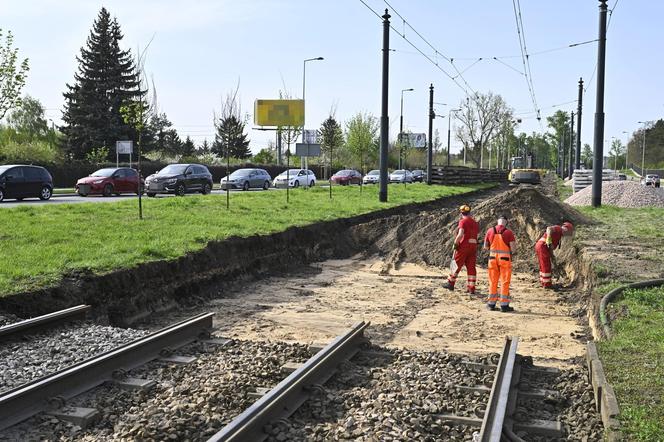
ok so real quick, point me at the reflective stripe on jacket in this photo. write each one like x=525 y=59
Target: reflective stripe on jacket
x=498 y=249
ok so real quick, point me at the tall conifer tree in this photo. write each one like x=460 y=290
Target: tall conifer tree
x=106 y=79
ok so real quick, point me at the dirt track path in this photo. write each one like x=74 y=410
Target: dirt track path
x=407 y=308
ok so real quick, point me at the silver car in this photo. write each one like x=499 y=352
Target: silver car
x=401 y=176
x=246 y=179
x=295 y=178
x=373 y=177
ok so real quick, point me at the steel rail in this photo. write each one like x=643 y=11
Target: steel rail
x=292 y=392
x=44 y=322
x=494 y=416
x=39 y=395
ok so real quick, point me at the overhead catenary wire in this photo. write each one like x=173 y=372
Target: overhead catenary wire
x=525 y=57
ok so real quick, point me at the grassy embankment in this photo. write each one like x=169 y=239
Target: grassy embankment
x=41 y=243
x=634 y=358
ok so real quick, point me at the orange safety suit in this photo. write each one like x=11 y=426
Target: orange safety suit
x=500 y=269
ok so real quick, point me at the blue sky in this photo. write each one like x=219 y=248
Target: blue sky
x=201 y=49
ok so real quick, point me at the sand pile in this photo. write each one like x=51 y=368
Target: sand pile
x=621 y=194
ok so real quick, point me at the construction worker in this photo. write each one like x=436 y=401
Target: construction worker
x=465 y=250
x=501 y=243
x=544 y=247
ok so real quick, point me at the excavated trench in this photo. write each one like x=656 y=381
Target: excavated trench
x=402 y=251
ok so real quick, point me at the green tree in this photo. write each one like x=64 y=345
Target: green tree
x=362 y=139
x=264 y=156
x=106 y=80
x=331 y=139
x=28 y=119
x=654 y=145
x=12 y=75
x=230 y=139
x=587 y=156
x=559 y=122
x=188 y=148
x=204 y=148
x=617 y=152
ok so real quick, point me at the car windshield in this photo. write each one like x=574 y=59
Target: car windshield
x=173 y=169
x=103 y=172
x=374 y=172
x=241 y=172
x=291 y=172
x=399 y=172
x=343 y=173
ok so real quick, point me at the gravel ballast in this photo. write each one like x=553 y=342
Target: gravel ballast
x=628 y=194
x=23 y=360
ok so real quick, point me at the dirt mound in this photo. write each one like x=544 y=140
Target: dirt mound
x=428 y=237
x=621 y=194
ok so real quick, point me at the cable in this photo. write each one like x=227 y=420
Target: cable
x=525 y=57
x=608 y=23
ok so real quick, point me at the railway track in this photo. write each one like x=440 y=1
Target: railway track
x=45 y=322
x=52 y=391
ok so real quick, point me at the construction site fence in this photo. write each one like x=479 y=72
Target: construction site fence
x=639 y=171
x=465 y=175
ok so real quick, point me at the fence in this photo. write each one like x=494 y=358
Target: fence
x=638 y=170
x=465 y=175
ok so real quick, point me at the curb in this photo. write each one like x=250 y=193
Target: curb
x=606 y=403
x=603 y=318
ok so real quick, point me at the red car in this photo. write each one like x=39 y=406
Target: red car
x=108 y=182
x=346 y=177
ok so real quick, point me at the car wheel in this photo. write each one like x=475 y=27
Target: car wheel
x=206 y=189
x=180 y=190
x=151 y=195
x=108 y=190
x=312 y=184
x=266 y=185
x=45 y=193
x=296 y=183
x=82 y=194
x=245 y=186
x=2 y=195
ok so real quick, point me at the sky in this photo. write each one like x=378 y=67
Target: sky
x=201 y=50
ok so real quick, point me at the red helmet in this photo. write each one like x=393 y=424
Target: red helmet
x=568 y=226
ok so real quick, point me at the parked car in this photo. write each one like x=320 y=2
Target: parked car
x=373 y=177
x=19 y=181
x=295 y=178
x=179 y=179
x=246 y=179
x=651 y=180
x=346 y=177
x=418 y=175
x=401 y=176
x=622 y=177
x=109 y=181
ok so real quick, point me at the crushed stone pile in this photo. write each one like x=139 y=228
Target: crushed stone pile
x=629 y=194
x=428 y=238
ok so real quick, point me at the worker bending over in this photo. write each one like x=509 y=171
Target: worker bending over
x=544 y=247
x=501 y=243
x=465 y=250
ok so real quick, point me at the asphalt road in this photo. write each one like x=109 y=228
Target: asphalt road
x=72 y=198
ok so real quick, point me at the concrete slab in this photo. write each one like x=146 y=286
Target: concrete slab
x=83 y=417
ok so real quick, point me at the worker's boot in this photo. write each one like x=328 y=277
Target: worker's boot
x=506 y=309
x=449 y=286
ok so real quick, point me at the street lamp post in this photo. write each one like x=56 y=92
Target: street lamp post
x=304 y=77
x=401 y=126
x=643 y=154
x=626 y=149
x=449 y=127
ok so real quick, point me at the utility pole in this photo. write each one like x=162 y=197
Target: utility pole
x=432 y=115
x=384 y=120
x=571 y=145
x=577 y=164
x=598 y=156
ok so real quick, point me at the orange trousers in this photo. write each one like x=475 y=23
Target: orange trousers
x=500 y=270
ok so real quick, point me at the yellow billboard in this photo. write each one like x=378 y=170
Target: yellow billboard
x=279 y=112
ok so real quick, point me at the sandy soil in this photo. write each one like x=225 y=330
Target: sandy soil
x=407 y=307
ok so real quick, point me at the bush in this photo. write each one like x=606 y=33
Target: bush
x=30 y=152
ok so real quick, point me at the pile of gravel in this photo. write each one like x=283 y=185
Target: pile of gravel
x=628 y=194
x=23 y=360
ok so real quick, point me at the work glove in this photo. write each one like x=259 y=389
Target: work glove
x=456 y=246
x=549 y=242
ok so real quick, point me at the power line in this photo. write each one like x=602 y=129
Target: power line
x=525 y=57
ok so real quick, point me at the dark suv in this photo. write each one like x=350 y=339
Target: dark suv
x=17 y=181
x=180 y=179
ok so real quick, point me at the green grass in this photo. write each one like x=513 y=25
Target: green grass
x=634 y=362
x=42 y=243
x=640 y=224
x=564 y=192
x=61 y=191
